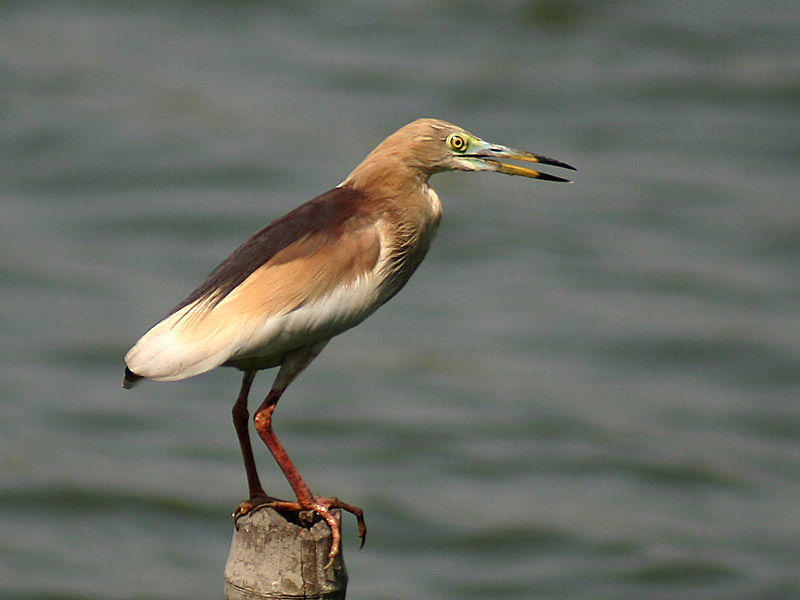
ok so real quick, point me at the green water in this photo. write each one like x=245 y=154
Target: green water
x=586 y=391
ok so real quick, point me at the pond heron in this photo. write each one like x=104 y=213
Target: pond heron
x=310 y=275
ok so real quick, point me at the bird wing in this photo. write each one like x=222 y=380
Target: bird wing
x=300 y=280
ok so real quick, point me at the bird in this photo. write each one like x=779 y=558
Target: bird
x=308 y=276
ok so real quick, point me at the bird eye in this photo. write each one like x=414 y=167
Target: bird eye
x=457 y=142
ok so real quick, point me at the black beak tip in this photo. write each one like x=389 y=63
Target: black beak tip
x=557 y=163
x=548 y=177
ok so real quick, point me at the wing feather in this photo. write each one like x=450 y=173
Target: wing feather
x=302 y=279
x=312 y=224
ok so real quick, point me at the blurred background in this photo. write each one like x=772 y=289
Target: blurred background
x=586 y=391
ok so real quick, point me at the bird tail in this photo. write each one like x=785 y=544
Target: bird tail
x=130 y=379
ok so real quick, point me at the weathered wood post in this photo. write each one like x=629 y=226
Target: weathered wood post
x=274 y=557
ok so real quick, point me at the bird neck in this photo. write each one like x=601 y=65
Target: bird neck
x=389 y=175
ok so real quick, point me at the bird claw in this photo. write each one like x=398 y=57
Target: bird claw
x=251 y=505
x=305 y=514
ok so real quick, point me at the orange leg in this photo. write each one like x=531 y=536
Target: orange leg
x=291 y=366
x=306 y=501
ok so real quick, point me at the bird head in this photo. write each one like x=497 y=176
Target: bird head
x=428 y=146
x=440 y=146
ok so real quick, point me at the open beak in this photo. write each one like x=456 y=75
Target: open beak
x=483 y=159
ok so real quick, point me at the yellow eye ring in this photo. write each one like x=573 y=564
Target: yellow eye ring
x=457 y=142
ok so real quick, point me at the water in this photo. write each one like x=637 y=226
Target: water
x=587 y=391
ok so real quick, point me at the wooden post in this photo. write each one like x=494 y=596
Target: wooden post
x=274 y=557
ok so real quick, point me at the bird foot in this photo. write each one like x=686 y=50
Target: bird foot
x=305 y=514
x=251 y=505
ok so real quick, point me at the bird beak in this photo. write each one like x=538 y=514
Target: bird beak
x=483 y=160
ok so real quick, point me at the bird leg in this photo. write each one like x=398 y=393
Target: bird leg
x=306 y=501
x=241 y=416
x=291 y=366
